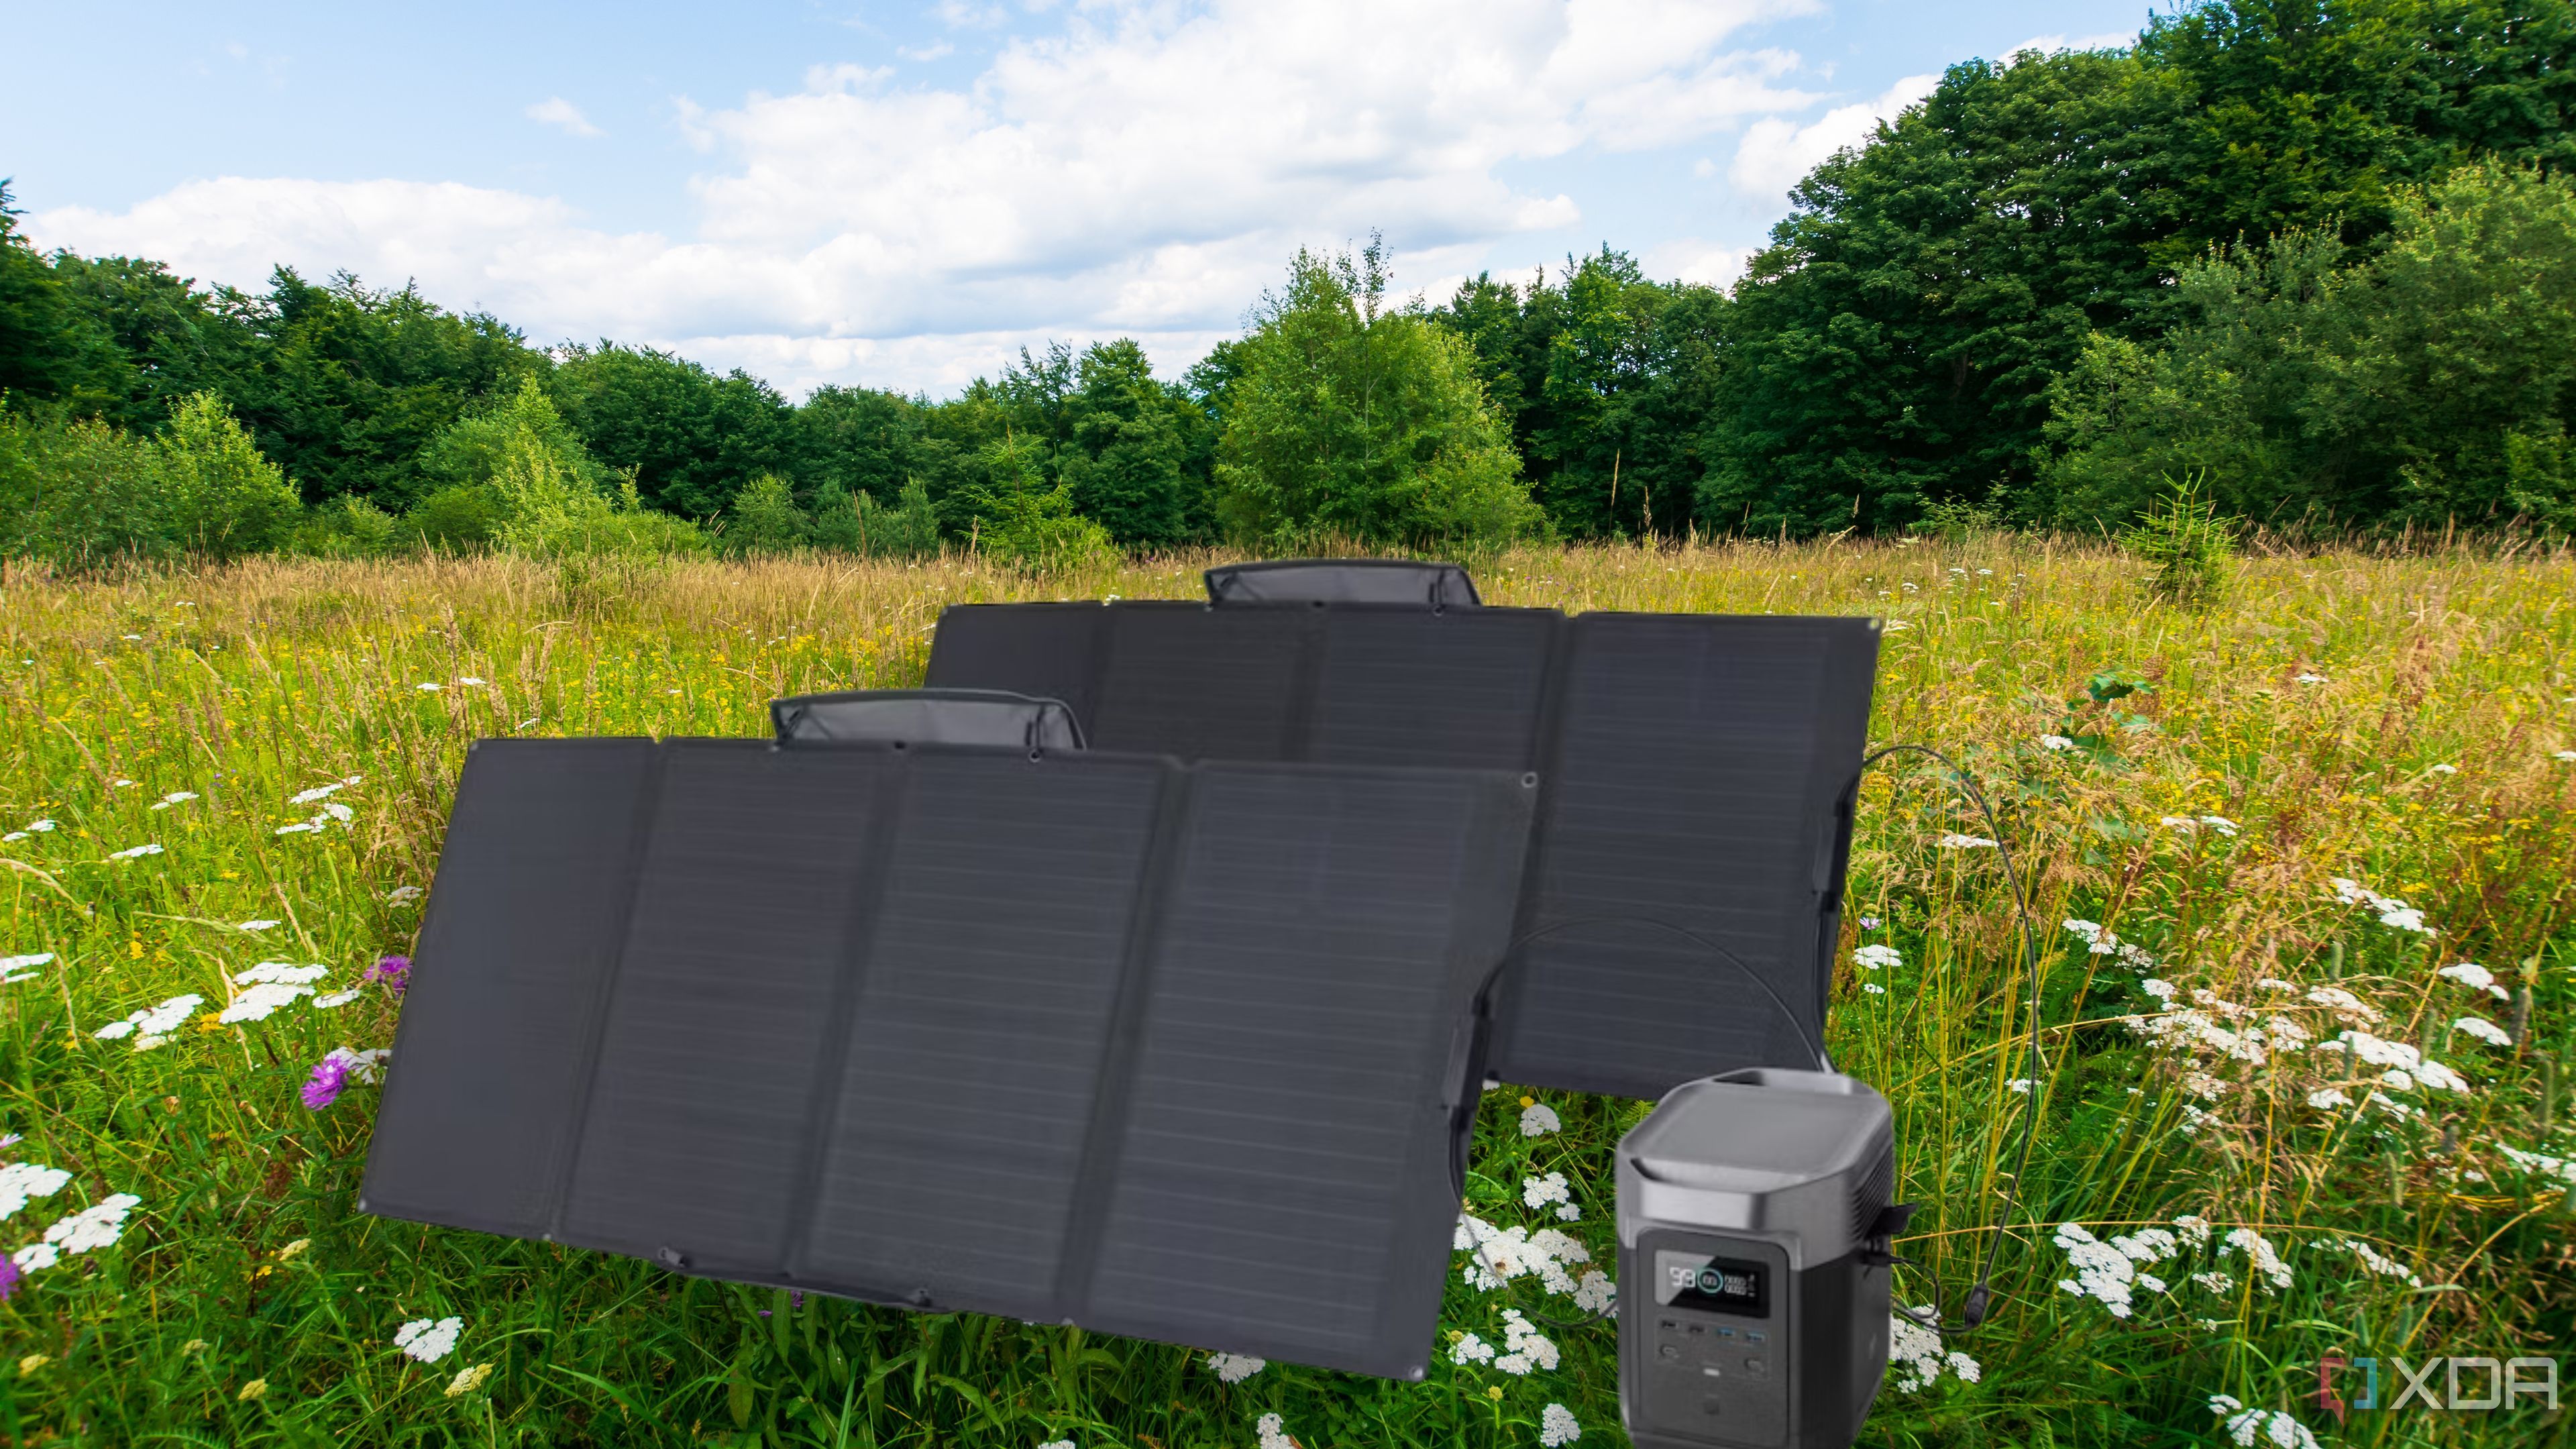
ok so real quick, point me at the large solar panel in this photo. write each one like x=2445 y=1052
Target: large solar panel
x=1160 y=1049
x=1696 y=776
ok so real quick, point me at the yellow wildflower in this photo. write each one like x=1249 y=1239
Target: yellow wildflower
x=33 y=1362
x=255 y=1389
x=467 y=1380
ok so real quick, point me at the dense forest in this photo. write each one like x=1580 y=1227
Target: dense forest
x=2317 y=256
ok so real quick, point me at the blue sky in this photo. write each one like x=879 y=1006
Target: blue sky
x=903 y=195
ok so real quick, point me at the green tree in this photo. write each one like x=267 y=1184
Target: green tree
x=2433 y=382
x=691 y=438
x=222 y=499
x=347 y=386
x=1354 y=421
x=1127 y=462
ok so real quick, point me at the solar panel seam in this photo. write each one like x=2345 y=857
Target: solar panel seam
x=1096 y=1175
x=595 y=1029
x=858 y=941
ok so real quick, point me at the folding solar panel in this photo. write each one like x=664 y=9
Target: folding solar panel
x=1697 y=773
x=1164 y=1050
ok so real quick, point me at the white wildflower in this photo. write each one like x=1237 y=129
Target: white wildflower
x=2021 y=1085
x=469 y=679
x=2221 y=824
x=262 y=1001
x=2195 y=1230
x=2484 y=1030
x=428 y=1341
x=1956 y=841
x=2251 y=1425
x=256 y=926
x=335 y=999
x=2215 y=1281
x=2055 y=742
x=152 y=1021
x=338 y=811
x=1873 y=957
x=2370 y=1258
x=318 y=792
x=35 y=1256
x=2397 y=1078
x=1524 y=1348
x=2441 y=769
x=1557 y=1426
x=426 y=687
x=363 y=1066
x=2311 y=679
x=1539 y=1119
x=284 y=972
x=1913 y=1352
x=2564 y=755
x=25 y=963
x=400 y=894
x=1540 y=1191
x=2344 y=1003
x=1234 y=1368
x=1274 y=1433
x=120 y=785
x=134 y=852
x=2160 y=990
x=2540 y=1162
x=1873 y=988
x=175 y=797
x=2259 y=1252
x=39 y=827
x=2203 y=1086
x=301 y=827
x=2327 y=1098
x=2476 y=977
x=2101 y=1270
x=97 y=1226
x=20 y=1181
x=1596 y=1294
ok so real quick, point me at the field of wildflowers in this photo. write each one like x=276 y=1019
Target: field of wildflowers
x=2303 y=868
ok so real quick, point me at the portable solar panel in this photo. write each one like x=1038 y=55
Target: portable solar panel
x=1697 y=775
x=1343 y=581
x=926 y=716
x=1163 y=1050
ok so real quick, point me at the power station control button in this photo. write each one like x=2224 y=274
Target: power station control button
x=1668 y=1351
x=1754 y=1336
x=1758 y=1366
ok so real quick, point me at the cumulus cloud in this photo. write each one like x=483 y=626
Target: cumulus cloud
x=1775 y=153
x=556 y=111
x=1145 y=171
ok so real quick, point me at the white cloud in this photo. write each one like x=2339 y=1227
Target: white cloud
x=933 y=51
x=1693 y=260
x=1147 y=171
x=556 y=111
x=1776 y=154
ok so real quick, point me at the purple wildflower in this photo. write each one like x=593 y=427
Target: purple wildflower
x=9 y=1277
x=394 y=971
x=329 y=1075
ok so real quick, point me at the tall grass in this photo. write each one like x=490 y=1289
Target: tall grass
x=247 y=686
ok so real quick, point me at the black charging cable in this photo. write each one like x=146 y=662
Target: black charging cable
x=1973 y=1309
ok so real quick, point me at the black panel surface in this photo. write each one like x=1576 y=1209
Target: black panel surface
x=1164 y=1050
x=517 y=941
x=976 y=1047
x=1284 y=1159
x=1696 y=772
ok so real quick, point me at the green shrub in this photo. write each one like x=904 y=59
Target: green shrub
x=223 y=499
x=458 y=518
x=860 y=524
x=346 y=527
x=2189 y=544
x=764 y=518
x=79 y=495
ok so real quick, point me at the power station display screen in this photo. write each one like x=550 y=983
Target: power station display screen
x=1718 y=1285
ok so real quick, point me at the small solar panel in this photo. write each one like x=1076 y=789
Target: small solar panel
x=1160 y=1049
x=1696 y=771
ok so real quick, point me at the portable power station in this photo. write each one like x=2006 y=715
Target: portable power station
x=1753 y=1261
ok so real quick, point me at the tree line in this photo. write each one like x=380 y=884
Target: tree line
x=2315 y=257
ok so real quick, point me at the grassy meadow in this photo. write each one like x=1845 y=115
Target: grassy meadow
x=2263 y=1106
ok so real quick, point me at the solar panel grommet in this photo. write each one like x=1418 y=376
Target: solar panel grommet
x=1529 y=780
